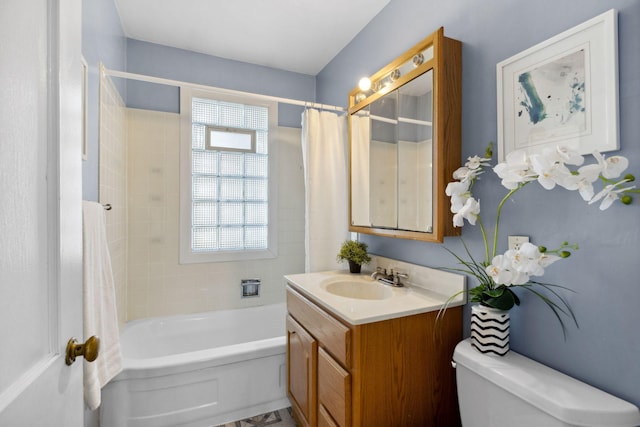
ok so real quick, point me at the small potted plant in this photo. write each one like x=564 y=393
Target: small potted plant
x=354 y=252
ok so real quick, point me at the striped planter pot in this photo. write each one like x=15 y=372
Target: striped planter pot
x=490 y=330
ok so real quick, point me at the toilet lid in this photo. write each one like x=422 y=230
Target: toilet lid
x=559 y=395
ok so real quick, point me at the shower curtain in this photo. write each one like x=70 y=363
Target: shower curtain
x=324 y=153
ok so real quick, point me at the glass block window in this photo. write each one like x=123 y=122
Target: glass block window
x=229 y=188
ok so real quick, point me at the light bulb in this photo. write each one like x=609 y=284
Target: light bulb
x=364 y=84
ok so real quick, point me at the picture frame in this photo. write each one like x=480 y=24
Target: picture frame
x=563 y=91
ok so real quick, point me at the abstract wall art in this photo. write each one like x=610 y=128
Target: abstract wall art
x=563 y=91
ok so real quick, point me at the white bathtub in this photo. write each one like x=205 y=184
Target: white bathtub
x=199 y=370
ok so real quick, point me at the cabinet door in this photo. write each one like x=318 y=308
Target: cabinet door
x=324 y=419
x=302 y=355
x=334 y=390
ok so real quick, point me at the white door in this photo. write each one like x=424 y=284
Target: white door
x=40 y=212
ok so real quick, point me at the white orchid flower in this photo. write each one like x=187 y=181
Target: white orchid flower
x=519 y=278
x=613 y=166
x=518 y=159
x=585 y=178
x=502 y=271
x=525 y=259
x=590 y=172
x=476 y=162
x=545 y=260
x=469 y=211
x=457 y=188
x=515 y=170
x=585 y=188
x=499 y=270
x=511 y=176
x=458 y=202
x=609 y=194
x=564 y=155
x=551 y=173
x=459 y=193
x=464 y=174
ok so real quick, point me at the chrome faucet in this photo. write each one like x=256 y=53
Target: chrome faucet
x=379 y=273
x=392 y=278
x=396 y=278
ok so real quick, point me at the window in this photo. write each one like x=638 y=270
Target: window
x=226 y=197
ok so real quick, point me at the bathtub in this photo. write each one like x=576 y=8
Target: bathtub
x=199 y=370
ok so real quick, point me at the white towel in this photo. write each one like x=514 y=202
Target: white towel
x=99 y=304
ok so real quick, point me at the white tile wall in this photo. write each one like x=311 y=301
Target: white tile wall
x=157 y=284
x=113 y=184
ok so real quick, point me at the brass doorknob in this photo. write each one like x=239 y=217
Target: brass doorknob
x=89 y=350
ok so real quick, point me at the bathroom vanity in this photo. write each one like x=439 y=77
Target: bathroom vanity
x=364 y=354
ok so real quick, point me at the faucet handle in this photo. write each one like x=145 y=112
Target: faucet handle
x=397 y=276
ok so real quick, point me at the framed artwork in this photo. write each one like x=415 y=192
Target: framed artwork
x=563 y=91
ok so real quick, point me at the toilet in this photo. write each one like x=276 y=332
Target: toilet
x=512 y=390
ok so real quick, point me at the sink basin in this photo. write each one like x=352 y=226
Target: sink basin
x=358 y=289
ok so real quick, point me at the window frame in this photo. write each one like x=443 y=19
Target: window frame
x=208 y=145
x=187 y=256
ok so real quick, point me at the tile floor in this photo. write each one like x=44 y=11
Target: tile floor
x=279 y=418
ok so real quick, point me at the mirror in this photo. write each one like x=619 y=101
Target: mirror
x=404 y=139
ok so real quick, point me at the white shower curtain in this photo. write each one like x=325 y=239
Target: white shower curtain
x=360 y=174
x=324 y=153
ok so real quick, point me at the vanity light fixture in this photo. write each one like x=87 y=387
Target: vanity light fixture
x=364 y=84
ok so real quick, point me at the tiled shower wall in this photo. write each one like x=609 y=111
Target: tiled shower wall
x=113 y=184
x=157 y=284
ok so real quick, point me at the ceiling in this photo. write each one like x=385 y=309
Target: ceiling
x=294 y=35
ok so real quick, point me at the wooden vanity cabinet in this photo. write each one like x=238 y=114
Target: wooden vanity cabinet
x=394 y=372
x=302 y=362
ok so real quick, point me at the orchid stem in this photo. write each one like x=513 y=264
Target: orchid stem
x=486 y=243
x=495 y=233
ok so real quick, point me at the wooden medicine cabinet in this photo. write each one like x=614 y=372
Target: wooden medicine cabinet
x=404 y=143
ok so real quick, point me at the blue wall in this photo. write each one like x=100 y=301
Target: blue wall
x=102 y=41
x=177 y=64
x=605 y=350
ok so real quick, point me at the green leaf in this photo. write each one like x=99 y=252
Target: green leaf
x=556 y=308
x=494 y=293
x=505 y=301
x=475 y=294
x=515 y=297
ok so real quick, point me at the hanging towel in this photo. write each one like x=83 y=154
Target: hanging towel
x=99 y=304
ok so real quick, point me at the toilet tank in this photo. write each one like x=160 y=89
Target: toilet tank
x=513 y=390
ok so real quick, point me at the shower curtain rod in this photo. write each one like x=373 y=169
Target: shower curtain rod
x=170 y=82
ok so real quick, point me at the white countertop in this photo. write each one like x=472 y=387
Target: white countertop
x=399 y=302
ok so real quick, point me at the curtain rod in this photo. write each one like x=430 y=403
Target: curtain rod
x=170 y=82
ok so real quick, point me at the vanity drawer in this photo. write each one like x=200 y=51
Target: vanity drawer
x=334 y=391
x=330 y=333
